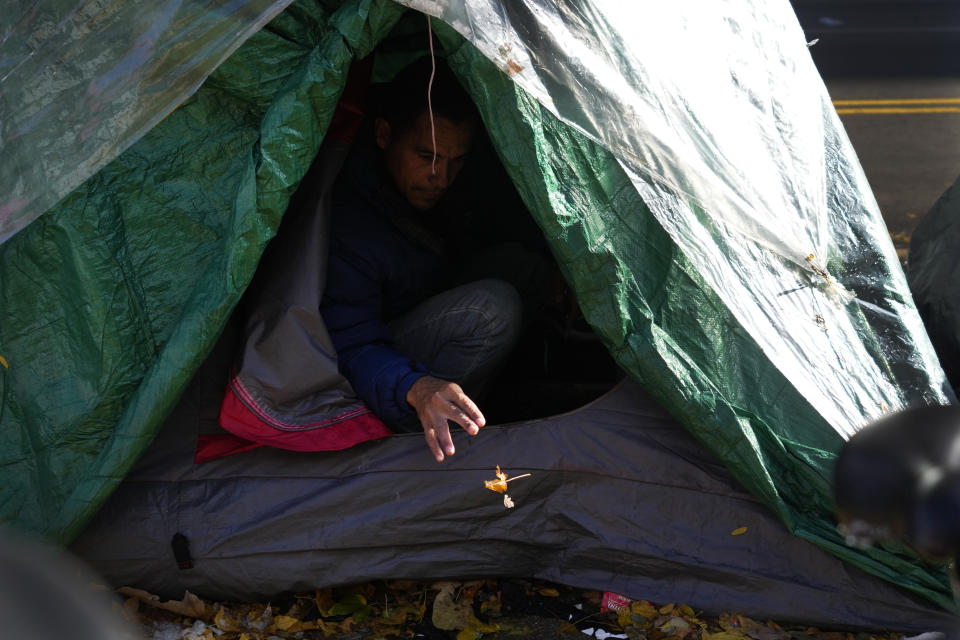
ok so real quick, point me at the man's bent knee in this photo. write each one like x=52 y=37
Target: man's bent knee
x=501 y=307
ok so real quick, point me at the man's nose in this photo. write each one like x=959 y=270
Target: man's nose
x=440 y=173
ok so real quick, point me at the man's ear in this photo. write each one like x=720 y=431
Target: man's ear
x=382 y=133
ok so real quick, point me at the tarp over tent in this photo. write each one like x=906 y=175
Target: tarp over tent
x=933 y=276
x=684 y=163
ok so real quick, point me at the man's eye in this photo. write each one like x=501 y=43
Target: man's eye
x=424 y=155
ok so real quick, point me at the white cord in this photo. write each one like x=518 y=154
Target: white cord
x=433 y=70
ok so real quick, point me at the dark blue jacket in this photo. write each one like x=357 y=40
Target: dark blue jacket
x=384 y=259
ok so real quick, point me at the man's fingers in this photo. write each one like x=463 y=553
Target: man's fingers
x=468 y=408
x=443 y=436
x=430 y=435
x=459 y=416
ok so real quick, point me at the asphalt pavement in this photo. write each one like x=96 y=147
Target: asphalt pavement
x=906 y=132
x=892 y=68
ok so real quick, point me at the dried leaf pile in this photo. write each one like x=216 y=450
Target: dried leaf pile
x=474 y=610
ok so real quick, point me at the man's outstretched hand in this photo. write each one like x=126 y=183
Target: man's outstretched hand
x=438 y=401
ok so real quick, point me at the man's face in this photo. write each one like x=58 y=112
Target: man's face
x=409 y=157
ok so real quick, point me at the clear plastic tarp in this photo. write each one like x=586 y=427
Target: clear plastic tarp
x=82 y=80
x=728 y=134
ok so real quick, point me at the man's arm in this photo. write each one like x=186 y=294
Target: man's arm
x=394 y=386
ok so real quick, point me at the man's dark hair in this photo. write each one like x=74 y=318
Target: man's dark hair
x=405 y=97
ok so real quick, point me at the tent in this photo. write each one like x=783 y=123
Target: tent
x=932 y=267
x=694 y=185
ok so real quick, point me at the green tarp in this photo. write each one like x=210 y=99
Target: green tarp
x=718 y=233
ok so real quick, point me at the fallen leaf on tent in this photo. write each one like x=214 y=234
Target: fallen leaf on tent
x=3 y=361
x=190 y=606
x=548 y=592
x=499 y=485
x=738 y=532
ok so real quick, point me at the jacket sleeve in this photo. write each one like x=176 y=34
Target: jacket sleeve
x=361 y=253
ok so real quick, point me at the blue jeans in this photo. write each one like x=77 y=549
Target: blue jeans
x=463 y=334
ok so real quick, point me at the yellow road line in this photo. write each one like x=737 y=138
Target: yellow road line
x=903 y=101
x=888 y=110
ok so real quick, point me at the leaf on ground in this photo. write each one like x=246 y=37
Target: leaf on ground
x=225 y=622
x=353 y=605
x=760 y=631
x=449 y=614
x=722 y=635
x=191 y=606
x=677 y=627
x=492 y=605
x=549 y=592
x=738 y=531
x=643 y=608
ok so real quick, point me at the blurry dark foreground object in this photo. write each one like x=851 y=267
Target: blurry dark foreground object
x=899 y=479
x=46 y=594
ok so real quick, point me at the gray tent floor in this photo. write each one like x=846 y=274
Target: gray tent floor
x=621 y=498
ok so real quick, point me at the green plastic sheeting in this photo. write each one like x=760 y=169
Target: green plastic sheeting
x=112 y=299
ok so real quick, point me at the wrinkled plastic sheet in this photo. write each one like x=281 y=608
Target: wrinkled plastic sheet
x=82 y=80
x=718 y=115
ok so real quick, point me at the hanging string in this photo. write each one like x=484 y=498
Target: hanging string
x=433 y=71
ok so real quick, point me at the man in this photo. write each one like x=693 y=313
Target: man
x=415 y=340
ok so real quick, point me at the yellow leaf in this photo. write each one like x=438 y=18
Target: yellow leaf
x=467 y=634
x=3 y=361
x=676 y=626
x=665 y=609
x=685 y=610
x=738 y=532
x=285 y=623
x=643 y=608
x=499 y=485
x=548 y=592
x=725 y=635
x=225 y=622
